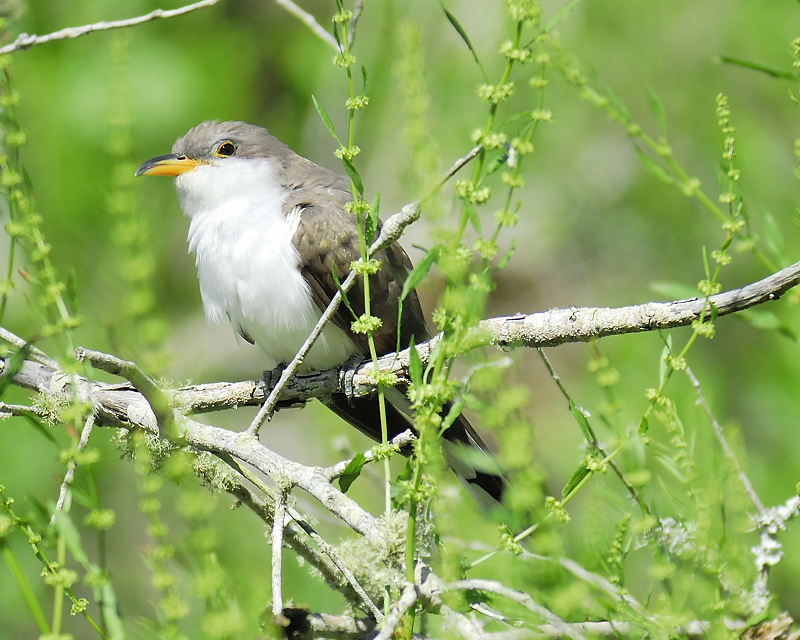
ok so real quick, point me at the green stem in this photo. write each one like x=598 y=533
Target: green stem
x=25 y=588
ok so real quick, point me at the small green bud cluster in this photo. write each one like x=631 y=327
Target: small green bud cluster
x=496 y=93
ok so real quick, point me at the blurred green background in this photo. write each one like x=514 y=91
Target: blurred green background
x=595 y=228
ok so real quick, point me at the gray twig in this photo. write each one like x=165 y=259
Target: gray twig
x=723 y=441
x=70 y=474
x=524 y=599
x=155 y=397
x=407 y=600
x=25 y=41
x=390 y=232
x=310 y=21
x=33 y=352
x=277 y=552
x=398 y=442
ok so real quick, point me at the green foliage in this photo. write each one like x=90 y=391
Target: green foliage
x=591 y=184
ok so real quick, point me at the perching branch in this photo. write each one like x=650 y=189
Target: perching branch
x=25 y=41
x=543 y=329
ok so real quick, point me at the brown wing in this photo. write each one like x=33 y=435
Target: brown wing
x=327 y=241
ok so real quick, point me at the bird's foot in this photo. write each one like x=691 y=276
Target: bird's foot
x=270 y=379
x=346 y=375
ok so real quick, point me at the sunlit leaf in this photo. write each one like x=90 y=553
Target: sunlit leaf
x=461 y=32
x=653 y=167
x=352 y=471
x=419 y=271
x=325 y=119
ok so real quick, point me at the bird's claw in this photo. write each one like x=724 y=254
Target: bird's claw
x=346 y=375
x=270 y=379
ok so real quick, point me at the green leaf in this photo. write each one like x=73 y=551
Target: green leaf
x=653 y=167
x=13 y=365
x=575 y=479
x=354 y=176
x=323 y=114
x=498 y=162
x=507 y=257
x=618 y=104
x=775 y=72
x=371 y=223
x=583 y=423
x=452 y=415
x=767 y=321
x=673 y=290
x=773 y=236
x=363 y=78
x=472 y=216
x=352 y=471
x=457 y=26
x=664 y=369
x=345 y=301
x=419 y=271
x=567 y=8
x=658 y=111
x=414 y=366
x=71 y=536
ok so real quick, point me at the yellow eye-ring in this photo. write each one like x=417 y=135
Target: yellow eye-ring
x=225 y=149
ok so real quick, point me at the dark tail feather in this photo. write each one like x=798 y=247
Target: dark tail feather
x=464 y=450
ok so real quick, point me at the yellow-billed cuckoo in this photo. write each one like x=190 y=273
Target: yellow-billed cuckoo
x=268 y=229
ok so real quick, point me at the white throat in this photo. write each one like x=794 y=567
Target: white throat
x=247 y=264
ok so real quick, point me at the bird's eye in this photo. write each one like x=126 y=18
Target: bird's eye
x=226 y=149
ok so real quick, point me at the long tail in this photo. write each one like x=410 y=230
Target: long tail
x=484 y=482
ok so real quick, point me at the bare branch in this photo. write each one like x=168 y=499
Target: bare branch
x=552 y=328
x=310 y=21
x=399 y=441
x=323 y=625
x=498 y=588
x=723 y=441
x=277 y=553
x=25 y=41
x=159 y=402
x=22 y=410
x=70 y=474
x=20 y=344
x=407 y=600
x=543 y=329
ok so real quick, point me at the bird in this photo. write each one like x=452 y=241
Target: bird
x=272 y=240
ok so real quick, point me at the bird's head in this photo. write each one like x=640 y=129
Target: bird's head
x=217 y=161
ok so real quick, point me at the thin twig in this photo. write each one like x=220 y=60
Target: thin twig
x=460 y=623
x=351 y=26
x=407 y=600
x=70 y=474
x=524 y=599
x=391 y=230
x=595 y=442
x=398 y=442
x=327 y=549
x=723 y=441
x=22 y=410
x=277 y=552
x=20 y=343
x=158 y=401
x=25 y=41
x=310 y=21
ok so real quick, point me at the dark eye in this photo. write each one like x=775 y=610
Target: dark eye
x=226 y=149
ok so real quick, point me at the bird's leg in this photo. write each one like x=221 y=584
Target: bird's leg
x=271 y=377
x=269 y=380
x=346 y=374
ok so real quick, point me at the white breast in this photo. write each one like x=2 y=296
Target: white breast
x=247 y=264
